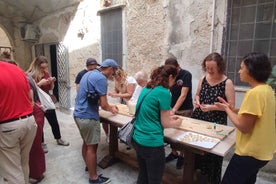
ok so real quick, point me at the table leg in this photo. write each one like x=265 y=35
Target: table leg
x=189 y=167
x=113 y=140
x=113 y=148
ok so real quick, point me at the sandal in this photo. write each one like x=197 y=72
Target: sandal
x=62 y=142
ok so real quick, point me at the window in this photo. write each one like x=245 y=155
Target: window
x=251 y=26
x=111 y=35
x=5 y=48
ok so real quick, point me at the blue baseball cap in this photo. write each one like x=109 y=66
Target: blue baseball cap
x=110 y=62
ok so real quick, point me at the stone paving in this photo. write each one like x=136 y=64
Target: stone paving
x=65 y=164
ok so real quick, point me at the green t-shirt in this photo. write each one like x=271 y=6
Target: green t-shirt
x=148 y=130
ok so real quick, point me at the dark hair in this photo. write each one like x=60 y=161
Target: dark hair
x=160 y=76
x=171 y=61
x=6 y=54
x=258 y=65
x=218 y=59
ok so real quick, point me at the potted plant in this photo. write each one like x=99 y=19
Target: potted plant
x=272 y=82
x=272 y=79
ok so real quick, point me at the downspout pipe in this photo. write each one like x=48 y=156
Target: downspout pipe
x=212 y=26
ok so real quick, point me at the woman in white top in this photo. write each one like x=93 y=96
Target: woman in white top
x=124 y=86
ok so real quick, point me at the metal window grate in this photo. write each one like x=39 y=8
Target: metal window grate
x=251 y=26
x=111 y=35
x=6 y=48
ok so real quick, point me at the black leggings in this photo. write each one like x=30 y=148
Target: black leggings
x=151 y=162
x=242 y=170
x=51 y=116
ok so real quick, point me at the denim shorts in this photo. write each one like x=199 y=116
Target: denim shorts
x=90 y=130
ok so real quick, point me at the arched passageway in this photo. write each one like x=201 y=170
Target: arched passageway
x=5 y=43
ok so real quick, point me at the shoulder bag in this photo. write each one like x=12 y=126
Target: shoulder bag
x=45 y=99
x=126 y=132
x=92 y=98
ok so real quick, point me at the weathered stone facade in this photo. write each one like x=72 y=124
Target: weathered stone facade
x=152 y=31
x=145 y=35
x=4 y=38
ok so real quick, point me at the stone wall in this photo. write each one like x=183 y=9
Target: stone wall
x=152 y=31
x=146 y=30
x=4 y=38
x=155 y=30
x=22 y=51
x=190 y=29
x=78 y=28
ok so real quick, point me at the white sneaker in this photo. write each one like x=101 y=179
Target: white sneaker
x=107 y=138
x=44 y=147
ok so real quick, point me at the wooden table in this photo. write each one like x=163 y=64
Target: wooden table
x=171 y=134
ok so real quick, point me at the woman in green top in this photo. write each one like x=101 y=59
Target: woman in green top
x=153 y=117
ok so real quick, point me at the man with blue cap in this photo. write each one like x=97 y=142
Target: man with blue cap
x=92 y=93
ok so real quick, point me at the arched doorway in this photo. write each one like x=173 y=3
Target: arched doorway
x=5 y=44
x=57 y=55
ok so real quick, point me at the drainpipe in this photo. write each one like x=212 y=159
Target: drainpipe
x=213 y=25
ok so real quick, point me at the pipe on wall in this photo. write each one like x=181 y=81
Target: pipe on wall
x=212 y=27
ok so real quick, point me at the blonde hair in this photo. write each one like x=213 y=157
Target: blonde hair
x=122 y=74
x=35 y=69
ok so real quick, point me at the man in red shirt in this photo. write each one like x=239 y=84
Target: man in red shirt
x=17 y=124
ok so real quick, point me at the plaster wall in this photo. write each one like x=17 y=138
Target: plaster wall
x=155 y=30
x=78 y=28
x=4 y=38
x=22 y=51
x=146 y=30
x=189 y=32
x=152 y=31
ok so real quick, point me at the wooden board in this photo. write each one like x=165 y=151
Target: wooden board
x=123 y=109
x=205 y=128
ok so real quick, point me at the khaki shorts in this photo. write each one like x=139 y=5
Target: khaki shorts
x=90 y=130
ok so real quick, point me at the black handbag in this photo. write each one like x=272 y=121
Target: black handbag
x=125 y=133
x=92 y=98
